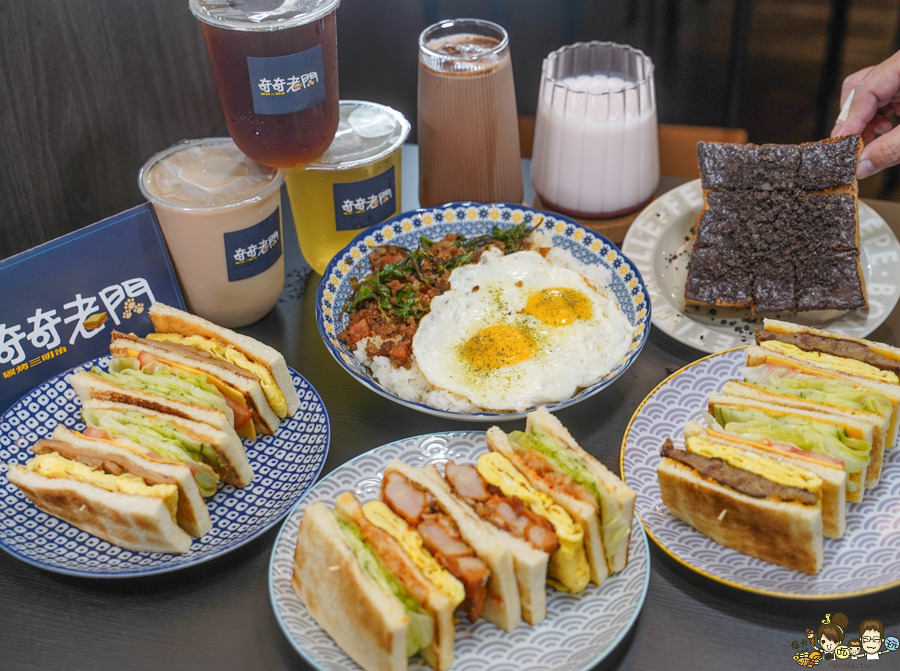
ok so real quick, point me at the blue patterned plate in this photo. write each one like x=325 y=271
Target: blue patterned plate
x=286 y=465
x=472 y=219
x=866 y=559
x=578 y=632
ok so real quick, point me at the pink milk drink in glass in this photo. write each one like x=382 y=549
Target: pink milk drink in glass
x=596 y=150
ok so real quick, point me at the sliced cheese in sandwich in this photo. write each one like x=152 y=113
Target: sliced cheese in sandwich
x=842 y=438
x=240 y=390
x=840 y=364
x=842 y=388
x=226 y=345
x=829 y=471
x=805 y=394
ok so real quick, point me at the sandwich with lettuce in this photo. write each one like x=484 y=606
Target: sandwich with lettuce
x=367 y=590
x=842 y=438
x=557 y=466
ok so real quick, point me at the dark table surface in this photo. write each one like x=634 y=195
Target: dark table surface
x=217 y=615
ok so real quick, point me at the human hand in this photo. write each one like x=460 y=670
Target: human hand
x=867 y=97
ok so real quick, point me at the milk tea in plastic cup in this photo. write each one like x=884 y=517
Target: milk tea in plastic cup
x=596 y=149
x=220 y=214
x=275 y=65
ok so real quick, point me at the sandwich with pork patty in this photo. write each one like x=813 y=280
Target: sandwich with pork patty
x=155 y=387
x=747 y=500
x=108 y=490
x=547 y=544
x=361 y=587
x=273 y=397
x=553 y=462
x=451 y=532
x=842 y=438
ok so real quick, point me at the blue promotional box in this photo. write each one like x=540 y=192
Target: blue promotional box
x=60 y=302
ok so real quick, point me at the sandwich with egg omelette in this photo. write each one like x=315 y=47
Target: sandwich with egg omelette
x=556 y=465
x=769 y=391
x=843 y=438
x=111 y=491
x=744 y=499
x=376 y=592
x=864 y=364
x=547 y=544
x=272 y=396
x=831 y=471
x=156 y=388
x=455 y=536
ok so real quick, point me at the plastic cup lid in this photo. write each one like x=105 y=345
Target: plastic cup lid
x=261 y=15
x=206 y=175
x=367 y=132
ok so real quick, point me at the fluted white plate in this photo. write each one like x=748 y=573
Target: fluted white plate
x=578 y=632
x=866 y=559
x=285 y=465
x=660 y=242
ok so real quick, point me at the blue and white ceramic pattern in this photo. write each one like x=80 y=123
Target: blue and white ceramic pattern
x=578 y=632
x=473 y=219
x=285 y=464
x=866 y=559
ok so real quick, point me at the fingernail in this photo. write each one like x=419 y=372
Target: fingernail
x=845 y=110
x=865 y=169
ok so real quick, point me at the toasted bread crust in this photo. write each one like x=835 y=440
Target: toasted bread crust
x=139 y=523
x=368 y=624
x=787 y=534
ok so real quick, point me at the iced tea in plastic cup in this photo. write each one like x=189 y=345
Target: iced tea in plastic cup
x=275 y=65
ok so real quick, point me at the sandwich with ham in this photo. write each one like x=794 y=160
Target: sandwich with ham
x=154 y=387
x=256 y=372
x=843 y=438
x=557 y=466
x=547 y=544
x=111 y=491
x=745 y=498
x=209 y=453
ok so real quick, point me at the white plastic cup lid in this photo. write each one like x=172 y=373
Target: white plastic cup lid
x=261 y=15
x=367 y=132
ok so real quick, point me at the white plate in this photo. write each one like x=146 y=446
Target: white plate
x=578 y=632
x=866 y=559
x=474 y=219
x=285 y=465
x=659 y=243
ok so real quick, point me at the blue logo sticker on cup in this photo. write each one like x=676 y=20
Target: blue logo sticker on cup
x=366 y=202
x=287 y=84
x=253 y=250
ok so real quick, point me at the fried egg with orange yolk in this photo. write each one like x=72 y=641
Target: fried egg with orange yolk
x=515 y=331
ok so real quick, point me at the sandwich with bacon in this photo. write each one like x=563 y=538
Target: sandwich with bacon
x=744 y=498
x=109 y=490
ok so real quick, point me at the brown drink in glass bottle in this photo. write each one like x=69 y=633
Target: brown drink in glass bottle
x=277 y=76
x=467 y=123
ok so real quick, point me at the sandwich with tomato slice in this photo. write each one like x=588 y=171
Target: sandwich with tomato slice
x=129 y=498
x=156 y=388
x=247 y=371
